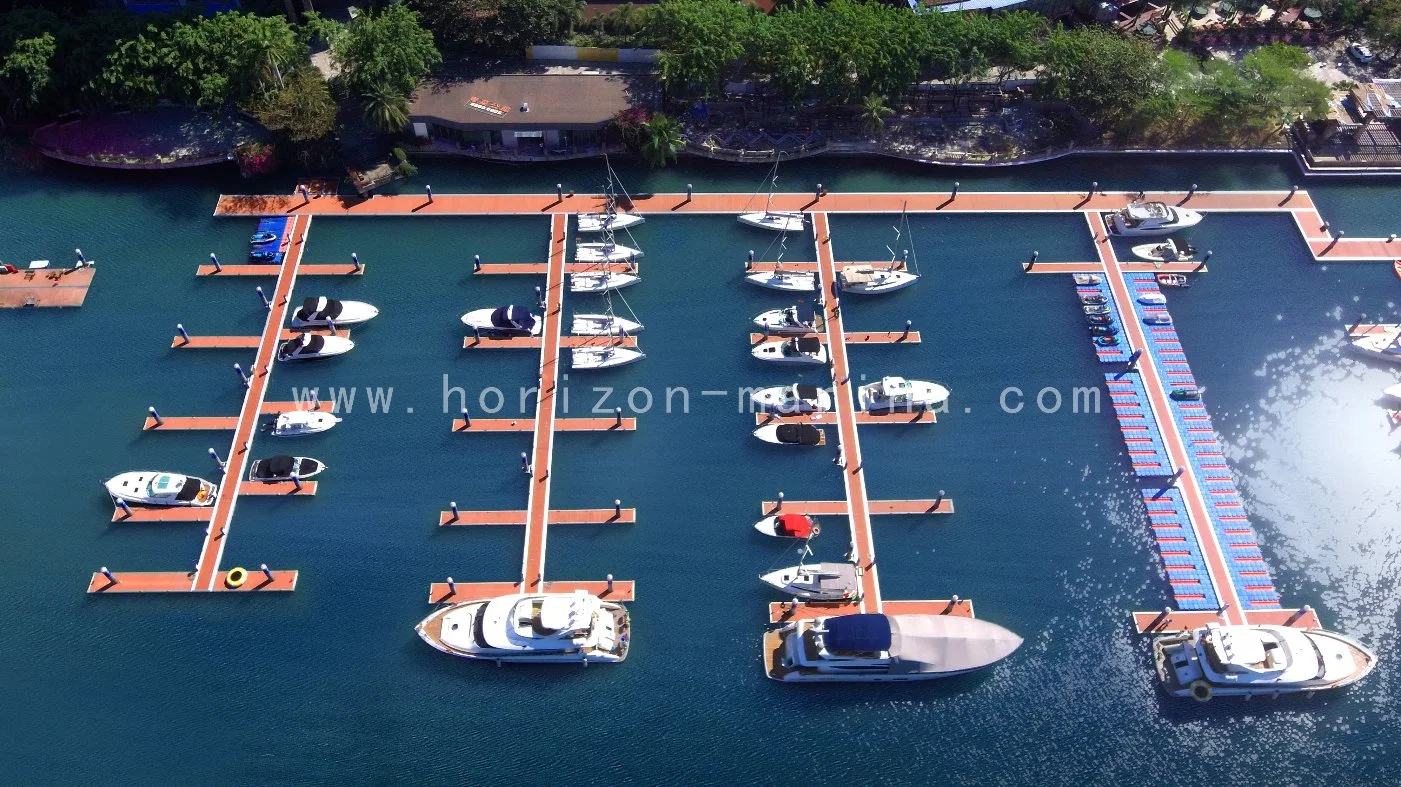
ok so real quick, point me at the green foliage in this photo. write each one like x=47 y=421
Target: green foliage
x=25 y=71
x=385 y=109
x=498 y=26
x=387 y=49
x=402 y=165
x=663 y=141
x=302 y=109
x=1105 y=75
x=874 y=112
x=702 y=39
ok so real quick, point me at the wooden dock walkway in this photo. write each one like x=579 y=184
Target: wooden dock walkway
x=851 y=337
x=180 y=342
x=862 y=417
x=536 y=342
x=561 y=425
x=44 y=288
x=576 y=516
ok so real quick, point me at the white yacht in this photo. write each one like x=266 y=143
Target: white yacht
x=603 y=357
x=1384 y=344
x=601 y=281
x=866 y=280
x=149 y=488
x=284 y=468
x=309 y=347
x=789 y=321
x=788 y=526
x=783 y=433
x=606 y=221
x=605 y=252
x=866 y=648
x=541 y=628
x=1167 y=251
x=321 y=312
x=1157 y=318
x=899 y=394
x=802 y=350
x=776 y=220
x=300 y=422
x=1252 y=661
x=792 y=399
x=603 y=325
x=1151 y=218
x=1152 y=299
x=788 y=281
x=504 y=321
x=817 y=582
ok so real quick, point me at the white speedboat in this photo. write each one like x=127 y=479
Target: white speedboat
x=1088 y=279
x=788 y=281
x=605 y=252
x=284 y=468
x=1384 y=345
x=1157 y=318
x=603 y=222
x=1252 y=661
x=899 y=394
x=1151 y=218
x=776 y=220
x=789 y=321
x=1173 y=280
x=504 y=321
x=788 y=526
x=802 y=349
x=792 y=399
x=1152 y=299
x=603 y=357
x=817 y=582
x=884 y=648
x=542 y=628
x=781 y=433
x=321 y=312
x=309 y=347
x=1167 y=251
x=601 y=281
x=603 y=325
x=300 y=422
x=148 y=488
x=866 y=280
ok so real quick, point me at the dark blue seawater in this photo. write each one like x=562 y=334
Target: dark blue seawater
x=330 y=684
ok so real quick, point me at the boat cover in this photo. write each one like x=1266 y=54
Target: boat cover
x=806 y=392
x=946 y=643
x=276 y=467
x=858 y=275
x=794 y=525
x=808 y=344
x=798 y=434
x=320 y=309
x=189 y=490
x=513 y=317
x=807 y=313
x=834 y=577
x=858 y=633
x=306 y=344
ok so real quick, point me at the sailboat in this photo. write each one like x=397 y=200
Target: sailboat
x=605 y=356
x=780 y=279
x=606 y=250
x=870 y=280
x=776 y=220
x=818 y=581
x=606 y=324
x=609 y=218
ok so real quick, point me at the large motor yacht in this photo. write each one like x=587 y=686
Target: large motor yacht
x=161 y=489
x=1141 y=219
x=1249 y=661
x=547 y=628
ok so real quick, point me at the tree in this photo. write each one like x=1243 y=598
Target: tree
x=1105 y=75
x=663 y=140
x=385 y=110
x=874 y=112
x=302 y=109
x=701 y=40
x=387 y=49
x=25 y=71
x=504 y=26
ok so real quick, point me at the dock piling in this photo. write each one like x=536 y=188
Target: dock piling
x=1133 y=358
x=466 y=418
x=267 y=572
x=1298 y=613
x=155 y=416
x=1191 y=192
x=217 y=267
x=779 y=505
x=817 y=193
x=355 y=260
x=1294 y=189
x=906 y=335
x=180 y=329
x=267 y=304
x=429 y=190
x=618 y=508
x=217 y=460
x=453 y=507
x=1391 y=238
x=242 y=375
x=107 y=574
x=939 y=501
x=610 y=586
x=954 y=192
x=122 y=504
x=525 y=463
x=539 y=297
x=476 y=263
x=297 y=482
x=690 y=192
x=1360 y=318
x=618 y=416
x=1035 y=255
x=1094 y=188
x=306 y=194
x=452 y=587
x=559 y=192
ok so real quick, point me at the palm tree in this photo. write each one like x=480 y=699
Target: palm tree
x=874 y=112
x=663 y=140
x=385 y=110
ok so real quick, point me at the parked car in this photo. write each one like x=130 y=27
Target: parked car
x=1359 y=52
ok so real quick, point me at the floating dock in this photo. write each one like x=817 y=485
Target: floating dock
x=45 y=288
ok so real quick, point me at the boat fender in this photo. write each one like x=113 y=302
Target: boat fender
x=816 y=529
x=235 y=578
x=1201 y=690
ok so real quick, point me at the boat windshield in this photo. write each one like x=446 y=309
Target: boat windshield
x=164 y=484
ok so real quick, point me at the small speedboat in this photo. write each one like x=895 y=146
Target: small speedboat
x=776 y=220
x=1258 y=661
x=263 y=236
x=263 y=255
x=601 y=281
x=817 y=582
x=603 y=325
x=1167 y=251
x=309 y=347
x=788 y=526
x=1103 y=330
x=1097 y=308
x=295 y=423
x=148 y=488
x=1151 y=218
x=899 y=394
x=1099 y=319
x=790 y=320
x=788 y=281
x=1186 y=394
x=605 y=252
x=802 y=349
x=1157 y=318
x=866 y=280
x=1093 y=298
x=283 y=468
x=1107 y=341
x=1173 y=280
x=603 y=357
x=598 y=222
x=321 y=312
x=1088 y=279
x=1152 y=299
x=792 y=399
x=504 y=321
x=791 y=434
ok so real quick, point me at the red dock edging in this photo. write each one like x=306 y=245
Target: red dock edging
x=561 y=425
x=240 y=342
x=180 y=582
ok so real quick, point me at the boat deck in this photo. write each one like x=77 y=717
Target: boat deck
x=45 y=288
